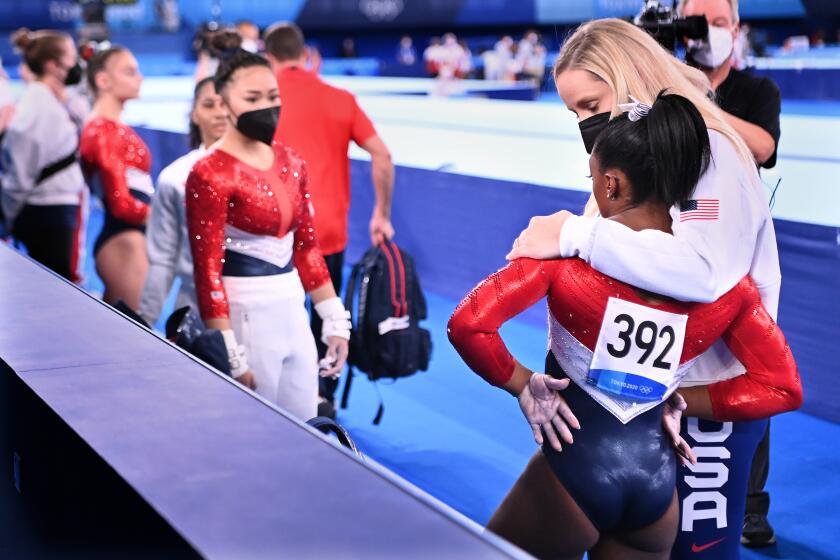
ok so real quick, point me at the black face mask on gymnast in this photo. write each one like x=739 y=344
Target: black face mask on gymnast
x=591 y=127
x=259 y=124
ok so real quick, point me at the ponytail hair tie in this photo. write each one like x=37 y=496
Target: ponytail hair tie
x=635 y=110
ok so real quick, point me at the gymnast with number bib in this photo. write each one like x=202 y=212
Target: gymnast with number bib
x=618 y=354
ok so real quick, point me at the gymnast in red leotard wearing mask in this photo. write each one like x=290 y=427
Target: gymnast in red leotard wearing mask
x=254 y=248
x=618 y=354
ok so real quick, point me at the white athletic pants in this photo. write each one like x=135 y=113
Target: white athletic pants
x=268 y=316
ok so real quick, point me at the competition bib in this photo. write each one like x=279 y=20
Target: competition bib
x=638 y=351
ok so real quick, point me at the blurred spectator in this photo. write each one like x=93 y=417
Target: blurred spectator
x=525 y=48
x=450 y=63
x=529 y=62
x=497 y=61
x=451 y=57
x=431 y=56
x=534 y=64
x=250 y=34
x=406 y=53
x=168 y=15
x=348 y=48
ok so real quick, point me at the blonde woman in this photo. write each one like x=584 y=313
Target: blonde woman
x=722 y=234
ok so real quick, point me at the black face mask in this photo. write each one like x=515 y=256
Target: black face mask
x=74 y=75
x=259 y=124
x=590 y=129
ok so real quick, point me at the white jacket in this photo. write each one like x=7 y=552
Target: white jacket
x=704 y=259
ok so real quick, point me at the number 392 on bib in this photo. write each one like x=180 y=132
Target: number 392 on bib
x=638 y=351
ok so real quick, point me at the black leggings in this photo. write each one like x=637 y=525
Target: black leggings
x=48 y=238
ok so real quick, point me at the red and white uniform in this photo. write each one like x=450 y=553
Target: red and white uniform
x=123 y=162
x=578 y=296
x=264 y=215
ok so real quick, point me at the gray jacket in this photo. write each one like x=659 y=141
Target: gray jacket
x=167 y=242
x=41 y=133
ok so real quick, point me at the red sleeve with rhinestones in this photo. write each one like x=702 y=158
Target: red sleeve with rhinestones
x=110 y=149
x=207 y=199
x=474 y=327
x=308 y=259
x=771 y=384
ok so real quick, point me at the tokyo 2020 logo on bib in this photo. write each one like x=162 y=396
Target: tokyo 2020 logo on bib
x=638 y=351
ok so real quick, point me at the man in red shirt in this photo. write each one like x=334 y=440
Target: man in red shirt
x=319 y=121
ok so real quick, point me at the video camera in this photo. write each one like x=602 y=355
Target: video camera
x=658 y=20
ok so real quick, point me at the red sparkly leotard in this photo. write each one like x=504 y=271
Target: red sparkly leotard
x=114 y=153
x=577 y=299
x=223 y=193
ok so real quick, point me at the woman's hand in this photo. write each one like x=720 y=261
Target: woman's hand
x=547 y=411
x=335 y=358
x=671 y=415
x=541 y=239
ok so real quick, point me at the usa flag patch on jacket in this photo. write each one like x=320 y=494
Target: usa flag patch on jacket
x=700 y=209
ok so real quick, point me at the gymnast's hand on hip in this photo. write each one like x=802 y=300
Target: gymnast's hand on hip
x=541 y=239
x=671 y=415
x=546 y=411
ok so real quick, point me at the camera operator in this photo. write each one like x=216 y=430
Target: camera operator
x=751 y=104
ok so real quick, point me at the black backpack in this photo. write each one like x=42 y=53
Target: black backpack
x=386 y=305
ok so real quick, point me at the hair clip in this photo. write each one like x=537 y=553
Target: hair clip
x=636 y=110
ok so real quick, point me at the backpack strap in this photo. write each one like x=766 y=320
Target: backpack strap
x=398 y=261
x=345 y=394
x=392 y=276
x=381 y=410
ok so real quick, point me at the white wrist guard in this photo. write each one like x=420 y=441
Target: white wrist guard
x=336 y=319
x=236 y=354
